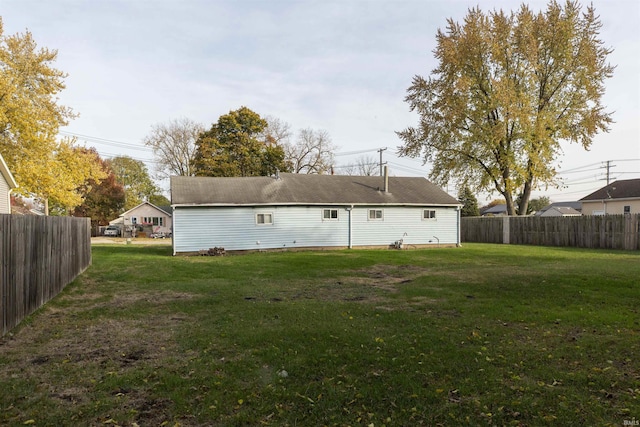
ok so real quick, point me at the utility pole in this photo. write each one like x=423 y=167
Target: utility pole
x=380 y=151
x=608 y=167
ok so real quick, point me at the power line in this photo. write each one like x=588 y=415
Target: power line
x=350 y=153
x=95 y=139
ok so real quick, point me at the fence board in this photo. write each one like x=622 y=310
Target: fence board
x=604 y=232
x=39 y=256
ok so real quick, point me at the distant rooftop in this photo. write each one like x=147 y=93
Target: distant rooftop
x=624 y=189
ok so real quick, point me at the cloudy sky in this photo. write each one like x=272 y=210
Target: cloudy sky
x=334 y=65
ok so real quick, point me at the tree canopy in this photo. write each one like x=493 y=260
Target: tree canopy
x=103 y=200
x=236 y=146
x=507 y=91
x=469 y=202
x=312 y=152
x=30 y=117
x=174 y=146
x=538 y=204
x=134 y=177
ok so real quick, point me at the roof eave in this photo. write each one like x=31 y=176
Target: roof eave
x=612 y=199
x=237 y=205
x=8 y=176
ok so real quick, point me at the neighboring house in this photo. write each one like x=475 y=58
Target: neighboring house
x=497 y=210
x=577 y=206
x=310 y=211
x=146 y=217
x=7 y=184
x=560 y=211
x=619 y=197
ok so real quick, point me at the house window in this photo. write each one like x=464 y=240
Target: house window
x=155 y=220
x=329 y=214
x=428 y=214
x=264 y=219
x=375 y=214
x=627 y=209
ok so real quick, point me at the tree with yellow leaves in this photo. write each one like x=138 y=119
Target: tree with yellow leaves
x=509 y=88
x=30 y=117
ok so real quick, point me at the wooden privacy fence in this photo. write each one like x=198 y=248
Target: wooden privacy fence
x=603 y=231
x=39 y=257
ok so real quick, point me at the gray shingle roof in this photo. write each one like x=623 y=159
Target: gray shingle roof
x=625 y=189
x=300 y=189
x=564 y=210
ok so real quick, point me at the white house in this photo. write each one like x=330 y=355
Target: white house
x=146 y=217
x=7 y=184
x=310 y=211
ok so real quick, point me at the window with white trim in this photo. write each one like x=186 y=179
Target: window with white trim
x=329 y=214
x=428 y=214
x=264 y=219
x=375 y=214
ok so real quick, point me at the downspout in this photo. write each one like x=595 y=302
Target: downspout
x=458 y=211
x=173 y=229
x=350 y=209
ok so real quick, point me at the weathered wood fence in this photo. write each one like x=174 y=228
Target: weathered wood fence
x=604 y=231
x=39 y=256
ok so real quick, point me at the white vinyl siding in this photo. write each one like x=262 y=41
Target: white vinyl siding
x=405 y=223
x=235 y=228
x=5 y=198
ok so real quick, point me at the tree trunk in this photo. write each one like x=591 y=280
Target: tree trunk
x=524 y=199
x=511 y=209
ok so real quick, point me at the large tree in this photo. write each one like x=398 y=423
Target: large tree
x=508 y=90
x=313 y=152
x=44 y=167
x=236 y=146
x=363 y=166
x=133 y=175
x=174 y=146
x=103 y=200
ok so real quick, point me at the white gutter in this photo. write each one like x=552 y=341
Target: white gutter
x=237 y=205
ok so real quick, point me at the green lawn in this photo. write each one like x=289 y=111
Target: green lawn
x=478 y=335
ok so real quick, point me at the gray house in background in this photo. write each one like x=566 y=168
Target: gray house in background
x=561 y=209
x=310 y=211
x=7 y=184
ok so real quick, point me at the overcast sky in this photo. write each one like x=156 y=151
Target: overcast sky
x=340 y=66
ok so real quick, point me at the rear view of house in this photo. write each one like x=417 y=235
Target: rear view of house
x=310 y=211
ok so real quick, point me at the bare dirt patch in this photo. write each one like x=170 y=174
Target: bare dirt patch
x=74 y=353
x=386 y=277
x=372 y=284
